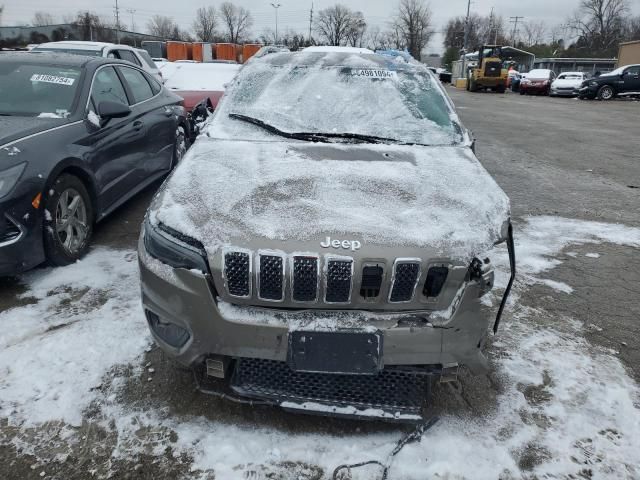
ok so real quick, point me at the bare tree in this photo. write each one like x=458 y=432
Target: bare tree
x=1 y=9
x=236 y=20
x=334 y=24
x=204 y=26
x=41 y=19
x=534 y=32
x=600 y=23
x=357 y=30
x=413 y=22
x=161 y=26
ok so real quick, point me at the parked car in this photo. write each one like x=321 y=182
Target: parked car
x=328 y=237
x=621 y=81
x=137 y=56
x=567 y=84
x=197 y=81
x=78 y=137
x=537 y=81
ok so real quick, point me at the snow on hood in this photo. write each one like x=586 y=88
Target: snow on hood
x=228 y=192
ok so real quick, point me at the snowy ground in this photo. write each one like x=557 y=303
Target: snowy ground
x=70 y=355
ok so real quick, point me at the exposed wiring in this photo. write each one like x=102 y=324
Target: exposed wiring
x=408 y=438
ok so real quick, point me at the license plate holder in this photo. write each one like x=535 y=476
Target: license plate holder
x=346 y=352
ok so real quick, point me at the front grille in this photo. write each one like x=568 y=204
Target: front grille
x=10 y=231
x=339 y=273
x=305 y=279
x=405 y=276
x=237 y=273
x=371 y=281
x=271 y=278
x=392 y=390
x=492 y=69
x=436 y=277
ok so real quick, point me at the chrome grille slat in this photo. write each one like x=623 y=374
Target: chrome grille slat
x=338 y=277
x=237 y=273
x=406 y=274
x=270 y=277
x=304 y=278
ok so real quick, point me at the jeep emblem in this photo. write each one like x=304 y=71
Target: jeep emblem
x=352 y=245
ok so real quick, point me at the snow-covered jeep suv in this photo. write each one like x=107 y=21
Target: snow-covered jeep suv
x=325 y=244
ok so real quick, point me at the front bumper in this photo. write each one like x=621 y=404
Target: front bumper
x=529 y=88
x=564 y=92
x=588 y=91
x=21 y=246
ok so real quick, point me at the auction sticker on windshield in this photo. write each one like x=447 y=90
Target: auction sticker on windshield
x=373 y=73
x=37 y=77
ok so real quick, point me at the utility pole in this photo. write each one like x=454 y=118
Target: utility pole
x=133 y=24
x=514 y=20
x=464 y=42
x=276 y=6
x=310 y=22
x=117 y=23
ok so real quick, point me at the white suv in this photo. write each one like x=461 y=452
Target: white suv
x=136 y=56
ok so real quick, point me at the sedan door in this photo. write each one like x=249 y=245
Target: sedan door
x=116 y=142
x=155 y=117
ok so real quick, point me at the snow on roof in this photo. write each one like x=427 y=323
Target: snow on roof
x=81 y=45
x=228 y=192
x=199 y=76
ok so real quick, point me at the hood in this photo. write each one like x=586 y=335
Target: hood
x=193 y=97
x=567 y=83
x=292 y=196
x=15 y=128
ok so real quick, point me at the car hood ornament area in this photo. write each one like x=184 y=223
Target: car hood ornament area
x=352 y=245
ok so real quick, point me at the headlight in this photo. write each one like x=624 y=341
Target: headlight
x=9 y=177
x=173 y=248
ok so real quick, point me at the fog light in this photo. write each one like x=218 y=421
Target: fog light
x=170 y=333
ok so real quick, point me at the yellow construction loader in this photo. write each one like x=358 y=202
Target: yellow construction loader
x=487 y=71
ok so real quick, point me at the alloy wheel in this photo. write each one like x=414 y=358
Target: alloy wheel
x=71 y=220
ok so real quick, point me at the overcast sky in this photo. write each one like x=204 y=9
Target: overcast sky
x=293 y=14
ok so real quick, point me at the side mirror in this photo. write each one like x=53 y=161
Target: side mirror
x=108 y=110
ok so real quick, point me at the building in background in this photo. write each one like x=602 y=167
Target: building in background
x=629 y=53
x=589 y=65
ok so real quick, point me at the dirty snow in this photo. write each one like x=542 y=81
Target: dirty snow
x=376 y=194
x=54 y=353
x=555 y=403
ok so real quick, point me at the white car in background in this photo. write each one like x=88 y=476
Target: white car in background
x=137 y=56
x=567 y=84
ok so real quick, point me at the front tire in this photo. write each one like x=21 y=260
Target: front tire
x=606 y=92
x=68 y=220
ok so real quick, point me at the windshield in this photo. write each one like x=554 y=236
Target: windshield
x=337 y=94
x=617 y=71
x=37 y=90
x=573 y=76
x=539 y=74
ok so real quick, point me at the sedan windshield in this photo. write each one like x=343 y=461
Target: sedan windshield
x=316 y=96
x=37 y=90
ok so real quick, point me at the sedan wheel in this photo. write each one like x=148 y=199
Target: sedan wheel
x=68 y=220
x=71 y=221
x=606 y=93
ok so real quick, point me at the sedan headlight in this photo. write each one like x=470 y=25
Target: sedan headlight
x=173 y=248
x=9 y=178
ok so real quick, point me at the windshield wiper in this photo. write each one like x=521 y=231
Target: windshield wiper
x=314 y=136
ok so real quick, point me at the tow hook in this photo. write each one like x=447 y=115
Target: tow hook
x=482 y=271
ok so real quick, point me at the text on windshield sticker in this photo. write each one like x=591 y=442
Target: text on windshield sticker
x=373 y=73
x=37 y=77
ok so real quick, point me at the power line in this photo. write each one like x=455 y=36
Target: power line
x=514 y=20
